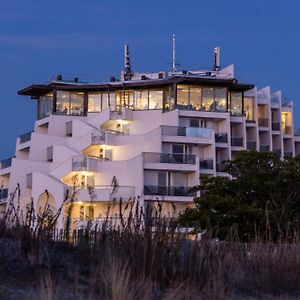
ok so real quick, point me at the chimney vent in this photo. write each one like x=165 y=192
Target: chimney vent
x=217 y=66
x=59 y=77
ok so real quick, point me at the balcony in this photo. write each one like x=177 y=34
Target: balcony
x=221 y=166
x=25 y=137
x=251 y=145
x=277 y=151
x=237 y=141
x=169 y=158
x=3 y=194
x=98 y=138
x=104 y=193
x=180 y=191
x=6 y=163
x=275 y=126
x=263 y=122
x=288 y=154
x=221 y=137
x=186 y=131
x=287 y=130
x=206 y=164
x=69 y=128
x=50 y=153
x=264 y=148
x=82 y=163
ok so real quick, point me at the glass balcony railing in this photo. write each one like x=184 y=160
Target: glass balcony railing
x=287 y=130
x=6 y=163
x=251 y=145
x=288 y=154
x=169 y=158
x=264 y=148
x=263 y=122
x=82 y=163
x=275 y=126
x=3 y=193
x=25 y=137
x=237 y=141
x=221 y=166
x=206 y=164
x=98 y=138
x=221 y=137
x=168 y=190
x=186 y=131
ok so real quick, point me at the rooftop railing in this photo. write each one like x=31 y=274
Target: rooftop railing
x=221 y=137
x=25 y=137
x=168 y=190
x=186 y=131
x=169 y=158
x=6 y=163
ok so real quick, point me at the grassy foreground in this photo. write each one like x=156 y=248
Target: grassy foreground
x=130 y=263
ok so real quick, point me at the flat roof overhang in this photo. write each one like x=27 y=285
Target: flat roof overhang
x=37 y=90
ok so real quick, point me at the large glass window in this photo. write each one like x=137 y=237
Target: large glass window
x=45 y=105
x=249 y=108
x=236 y=103
x=169 y=98
x=221 y=99
x=69 y=103
x=195 y=97
x=105 y=101
x=182 y=96
x=141 y=98
x=208 y=103
x=155 y=99
x=94 y=102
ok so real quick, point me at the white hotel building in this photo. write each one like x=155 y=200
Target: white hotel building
x=157 y=134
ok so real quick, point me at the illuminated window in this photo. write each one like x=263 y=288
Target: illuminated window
x=221 y=99
x=236 y=103
x=182 y=96
x=249 y=108
x=208 y=103
x=195 y=97
x=94 y=102
x=141 y=100
x=69 y=103
x=155 y=99
x=45 y=105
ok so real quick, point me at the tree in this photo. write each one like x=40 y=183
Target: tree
x=261 y=196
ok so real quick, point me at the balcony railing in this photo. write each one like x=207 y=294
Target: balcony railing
x=237 y=141
x=82 y=163
x=221 y=137
x=206 y=164
x=25 y=137
x=6 y=163
x=168 y=190
x=277 y=151
x=251 y=145
x=3 y=193
x=275 y=126
x=264 y=148
x=287 y=130
x=221 y=166
x=297 y=132
x=263 y=122
x=98 y=138
x=69 y=128
x=288 y=154
x=186 y=131
x=169 y=158
x=50 y=153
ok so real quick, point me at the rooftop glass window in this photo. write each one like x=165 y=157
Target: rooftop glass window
x=236 y=103
x=69 y=103
x=249 y=108
x=45 y=105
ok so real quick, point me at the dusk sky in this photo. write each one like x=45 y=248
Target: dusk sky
x=40 y=38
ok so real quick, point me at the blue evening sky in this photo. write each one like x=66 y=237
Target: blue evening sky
x=40 y=38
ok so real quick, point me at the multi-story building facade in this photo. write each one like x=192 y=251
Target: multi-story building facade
x=147 y=136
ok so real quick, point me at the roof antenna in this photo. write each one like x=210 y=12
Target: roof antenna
x=174 y=55
x=217 y=66
x=127 y=66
